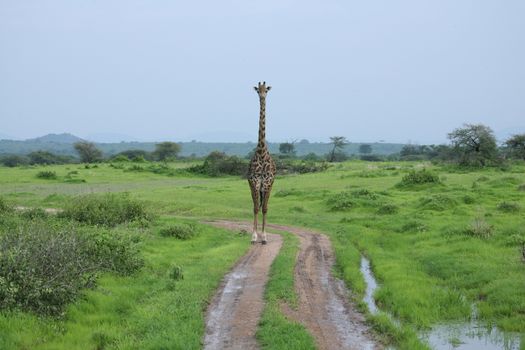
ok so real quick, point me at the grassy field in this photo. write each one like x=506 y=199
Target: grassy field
x=436 y=249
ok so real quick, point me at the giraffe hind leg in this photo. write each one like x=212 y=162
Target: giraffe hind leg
x=264 y=205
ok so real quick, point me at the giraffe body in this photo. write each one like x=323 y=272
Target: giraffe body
x=261 y=173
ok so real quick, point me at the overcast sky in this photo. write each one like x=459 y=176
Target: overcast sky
x=388 y=70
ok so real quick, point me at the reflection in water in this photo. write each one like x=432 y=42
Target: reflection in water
x=471 y=335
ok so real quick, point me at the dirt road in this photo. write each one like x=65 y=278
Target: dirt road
x=324 y=308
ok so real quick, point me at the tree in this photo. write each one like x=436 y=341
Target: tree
x=365 y=149
x=88 y=152
x=165 y=150
x=516 y=146
x=474 y=144
x=338 y=142
x=287 y=148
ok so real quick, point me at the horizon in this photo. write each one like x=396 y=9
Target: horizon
x=403 y=73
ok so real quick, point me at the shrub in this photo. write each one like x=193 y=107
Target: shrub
x=414 y=226
x=479 y=228
x=4 y=206
x=509 y=207
x=34 y=213
x=468 y=199
x=46 y=174
x=43 y=266
x=437 y=202
x=364 y=193
x=176 y=273
x=387 y=209
x=179 y=231
x=521 y=187
x=340 y=201
x=422 y=176
x=107 y=210
x=289 y=166
x=218 y=164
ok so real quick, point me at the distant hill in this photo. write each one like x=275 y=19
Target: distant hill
x=62 y=144
x=57 y=138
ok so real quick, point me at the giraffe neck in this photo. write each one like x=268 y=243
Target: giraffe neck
x=262 y=124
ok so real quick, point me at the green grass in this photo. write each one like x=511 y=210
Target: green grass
x=276 y=331
x=429 y=267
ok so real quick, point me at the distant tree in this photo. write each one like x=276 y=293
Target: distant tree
x=365 y=149
x=474 y=144
x=166 y=150
x=134 y=154
x=88 y=152
x=338 y=142
x=287 y=148
x=44 y=157
x=13 y=160
x=516 y=146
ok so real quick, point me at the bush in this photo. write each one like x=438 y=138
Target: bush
x=107 y=210
x=4 y=206
x=14 y=160
x=46 y=174
x=479 y=228
x=34 y=213
x=509 y=207
x=414 y=226
x=521 y=187
x=364 y=193
x=340 y=201
x=179 y=231
x=387 y=209
x=289 y=166
x=44 y=266
x=422 y=176
x=437 y=202
x=468 y=199
x=219 y=164
x=176 y=273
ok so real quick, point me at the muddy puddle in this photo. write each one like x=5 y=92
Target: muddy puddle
x=473 y=335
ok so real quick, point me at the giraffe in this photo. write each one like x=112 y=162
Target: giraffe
x=262 y=168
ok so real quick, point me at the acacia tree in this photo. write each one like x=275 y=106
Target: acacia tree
x=338 y=142
x=516 y=146
x=88 y=152
x=474 y=144
x=165 y=150
x=287 y=148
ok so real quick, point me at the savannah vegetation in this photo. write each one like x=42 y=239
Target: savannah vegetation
x=141 y=265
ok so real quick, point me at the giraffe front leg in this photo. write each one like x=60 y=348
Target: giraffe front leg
x=264 y=238
x=254 y=233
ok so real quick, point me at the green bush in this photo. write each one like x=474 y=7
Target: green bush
x=219 y=164
x=387 y=209
x=509 y=207
x=4 y=206
x=422 y=176
x=45 y=264
x=479 y=228
x=106 y=210
x=34 y=213
x=179 y=231
x=46 y=174
x=340 y=201
x=176 y=273
x=364 y=193
x=468 y=199
x=437 y=202
x=521 y=187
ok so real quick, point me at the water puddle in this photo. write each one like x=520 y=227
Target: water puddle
x=471 y=335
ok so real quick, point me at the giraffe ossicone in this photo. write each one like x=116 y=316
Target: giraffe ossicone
x=261 y=172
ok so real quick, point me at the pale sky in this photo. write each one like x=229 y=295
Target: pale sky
x=388 y=70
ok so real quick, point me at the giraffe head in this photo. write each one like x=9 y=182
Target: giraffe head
x=262 y=89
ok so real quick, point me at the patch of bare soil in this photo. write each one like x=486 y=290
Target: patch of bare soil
x=233 y=315
x=324 y=308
